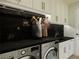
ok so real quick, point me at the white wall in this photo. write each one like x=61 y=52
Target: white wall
x=74 y=21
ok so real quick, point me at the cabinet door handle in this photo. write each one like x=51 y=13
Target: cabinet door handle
x=56 y=18
x=64 y=49
x=65 y=20
x=44 y=5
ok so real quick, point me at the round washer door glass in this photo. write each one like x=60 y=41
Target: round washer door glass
x=51 y=54
x=28 y=57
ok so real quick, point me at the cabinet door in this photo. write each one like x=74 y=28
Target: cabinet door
x=65 y=19
x=61 y=55
x=62 y=14
x=37 y=4
x=42 y=5
x=58 y=11
x=71 y=47
x=66 y=49
x=48 y=6
x=62 y=51
x=26 y=3
x=53 y=11
x=66 y=14
x=13 y=1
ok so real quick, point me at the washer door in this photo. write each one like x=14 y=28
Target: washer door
x=28 y=57
x=51 y=53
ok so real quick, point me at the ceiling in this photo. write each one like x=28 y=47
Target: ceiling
x=71 y=1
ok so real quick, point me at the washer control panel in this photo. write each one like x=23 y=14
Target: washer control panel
x=31 y=51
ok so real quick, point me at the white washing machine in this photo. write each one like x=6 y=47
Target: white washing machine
x=49 y=50
x=25 y=53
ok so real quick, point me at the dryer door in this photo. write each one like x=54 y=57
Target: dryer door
x=51 y=53
x=28 y=57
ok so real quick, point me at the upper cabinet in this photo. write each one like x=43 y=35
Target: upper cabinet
x=59 y=10
x=48 y=6
x=66 y=14
x=26 y=3
x=42 y=5
x=12 y=1
x=37 y=4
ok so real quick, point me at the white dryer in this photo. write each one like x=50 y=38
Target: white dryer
x=49 y=50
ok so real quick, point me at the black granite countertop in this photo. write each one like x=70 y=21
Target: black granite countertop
x=62 y=39
x=11 y=46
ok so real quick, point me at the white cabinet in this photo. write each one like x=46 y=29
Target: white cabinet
x=13 y=1
x=9 y=1
x=63 y=50
x=48 y=6
x=66 y=49
x=58 y=18
x=53 y=11
x=42 y=5
x=65 y=19
x=71 y=47
x=62 y=12
x=59 y=12
x=37 y=4
x=26 y=3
